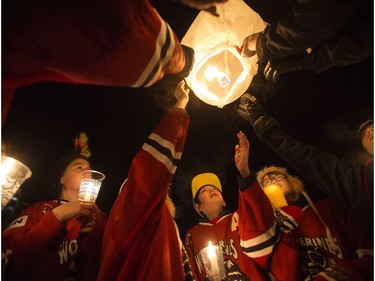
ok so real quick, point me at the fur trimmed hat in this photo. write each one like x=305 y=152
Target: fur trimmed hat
x=204 y=179
x=81 y=151
x=295 y=182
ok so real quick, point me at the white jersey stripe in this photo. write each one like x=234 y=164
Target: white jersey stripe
x=167 y=144
x=269 y=234
x=261 y=253
x=156 y=60
x=161 y=157
x=361 y=252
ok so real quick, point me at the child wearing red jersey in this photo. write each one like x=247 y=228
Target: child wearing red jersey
x=332 y=245
x=59 y=239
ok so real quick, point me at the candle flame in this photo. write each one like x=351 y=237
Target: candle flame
x=211 y=251
x=221 y=76
x=211 y=72
x=6 y=167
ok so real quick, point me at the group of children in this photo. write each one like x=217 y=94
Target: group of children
x=65 y=239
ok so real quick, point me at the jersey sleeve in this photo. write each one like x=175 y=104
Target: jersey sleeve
x=307 y=24
x=144 y=192
x=256 y=223
x=337 y=178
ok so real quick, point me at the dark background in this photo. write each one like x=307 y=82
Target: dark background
x=324 y=110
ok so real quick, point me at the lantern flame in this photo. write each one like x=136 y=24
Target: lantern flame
x=212 y=72
x=221 y=76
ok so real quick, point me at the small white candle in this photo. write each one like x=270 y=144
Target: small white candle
x=211 y=251
x=89 y=190
x=90 y=185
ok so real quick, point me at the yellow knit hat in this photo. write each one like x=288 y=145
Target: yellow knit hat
x=204 y=179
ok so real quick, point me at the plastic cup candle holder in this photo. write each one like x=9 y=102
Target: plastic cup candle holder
x=213 y=261
x=12 y=175
x=90 y=185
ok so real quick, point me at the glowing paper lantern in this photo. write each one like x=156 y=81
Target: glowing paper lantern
x=220 y=75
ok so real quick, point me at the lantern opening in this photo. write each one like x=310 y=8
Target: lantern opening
x=221 y=76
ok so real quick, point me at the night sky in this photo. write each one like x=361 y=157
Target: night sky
x=323 y=110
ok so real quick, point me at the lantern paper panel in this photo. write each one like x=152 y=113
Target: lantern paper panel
x=220 y=75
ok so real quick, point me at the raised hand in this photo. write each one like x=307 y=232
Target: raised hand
x=241 y=155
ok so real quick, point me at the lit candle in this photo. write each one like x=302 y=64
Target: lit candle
x=211 y=251
x=90 y=185
x=12 y=174
x=275 y=195
x=213 y=261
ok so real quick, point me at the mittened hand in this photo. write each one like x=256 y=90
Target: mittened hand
x=288 y=218
x=247 y=101
x=250 y=109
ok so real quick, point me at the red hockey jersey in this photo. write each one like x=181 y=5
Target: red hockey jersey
x=343 y=249
x=141 y=240
x=37 y=246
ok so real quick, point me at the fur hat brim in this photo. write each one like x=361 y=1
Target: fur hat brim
x=295 y=182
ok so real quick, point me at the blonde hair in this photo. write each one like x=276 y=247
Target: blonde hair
x=295 y=182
